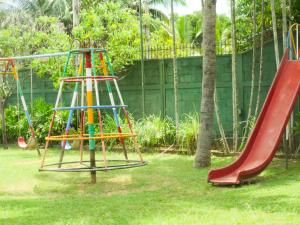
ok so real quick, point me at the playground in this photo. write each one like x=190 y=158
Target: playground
x=140 y=117
x=167 y=191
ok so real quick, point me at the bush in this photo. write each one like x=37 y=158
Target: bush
x=41 y=116
x=152 y=131
x=188 y=132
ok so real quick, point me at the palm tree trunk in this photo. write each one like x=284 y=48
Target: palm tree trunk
x=202 y=158
x=261 y=58
x=175 y=71
x=275 y=33
x=234 y=79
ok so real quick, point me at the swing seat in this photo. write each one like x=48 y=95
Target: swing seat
x=67 y=146
x=31 y=143
x=75 y=145
x=22 y=143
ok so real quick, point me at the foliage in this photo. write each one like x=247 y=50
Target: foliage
x=43 y=35
x=188 y=132
x=154 y=131
x=112 y=27
x=116 y=28
x=41 y=116
x=16 y=124
x=60 y=9
x=244 y=22
x=297 y=124
x=189 y=29
x=247 y=126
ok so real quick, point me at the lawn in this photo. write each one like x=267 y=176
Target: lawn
x=167 y=191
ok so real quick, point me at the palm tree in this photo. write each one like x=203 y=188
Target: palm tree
x=149 y=9
x=56 y=8
x=202 y=158
x=7 y=3
x=184 y=30
x=234 y=78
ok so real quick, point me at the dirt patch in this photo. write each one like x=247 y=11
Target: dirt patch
x=122 y=179
x=130 y=191
x=27 y=162
x=20 y=188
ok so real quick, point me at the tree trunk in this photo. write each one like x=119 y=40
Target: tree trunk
x=261 y=58
x=147 y=31
x=284 y=24
x=75 y=9
x=288 y=137
x=234 y=79
x=4 y=133
x=175 y=75
x=142 y=56
x=3 y=125
x=202 y=158
x=276 y=48
x=291 y=140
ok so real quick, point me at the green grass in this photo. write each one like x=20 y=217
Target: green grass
x=167 y=191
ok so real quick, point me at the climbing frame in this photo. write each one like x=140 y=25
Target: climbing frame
x=95 y=69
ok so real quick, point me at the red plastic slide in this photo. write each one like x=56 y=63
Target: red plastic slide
x=266 y=135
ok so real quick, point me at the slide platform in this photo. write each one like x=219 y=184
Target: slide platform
x=266 y=135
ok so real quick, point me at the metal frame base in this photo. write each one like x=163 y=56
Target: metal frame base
x=127 y=164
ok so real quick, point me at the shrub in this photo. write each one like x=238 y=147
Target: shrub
x=155 y=131
x=152 y=131
x=188 y=132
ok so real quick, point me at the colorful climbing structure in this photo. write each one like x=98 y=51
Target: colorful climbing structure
x=95 y=69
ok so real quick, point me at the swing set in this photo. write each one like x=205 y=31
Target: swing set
x=9 y=67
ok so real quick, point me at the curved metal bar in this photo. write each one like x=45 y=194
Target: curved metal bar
x=86 y=138
x=124 y=164
x=89 y=107
x=97 y=78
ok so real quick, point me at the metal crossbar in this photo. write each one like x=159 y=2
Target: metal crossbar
x=90 y=107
